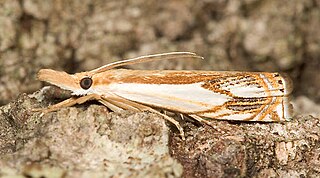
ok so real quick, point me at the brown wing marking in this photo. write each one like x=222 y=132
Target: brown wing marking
x=263 y=105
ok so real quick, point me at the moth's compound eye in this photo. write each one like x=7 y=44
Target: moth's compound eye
x=86 y=83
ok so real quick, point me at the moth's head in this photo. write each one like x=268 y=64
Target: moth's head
x=79 y=83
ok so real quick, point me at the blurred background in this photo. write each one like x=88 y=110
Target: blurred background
x=245 y=35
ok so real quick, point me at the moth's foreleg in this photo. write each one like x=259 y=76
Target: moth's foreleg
x=67 y=103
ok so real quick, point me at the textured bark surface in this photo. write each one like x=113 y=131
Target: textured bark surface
x=234 y=149
x=83 y=142
x=86 y=140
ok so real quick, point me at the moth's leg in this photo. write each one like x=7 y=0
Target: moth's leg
x=127 y=104
x=120 y=104
x=112 y=107
x=67 y=103
x=200 y=119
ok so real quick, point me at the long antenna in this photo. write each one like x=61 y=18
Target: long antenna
x=147 y=58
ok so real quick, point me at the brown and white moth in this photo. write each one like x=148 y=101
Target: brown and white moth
x=202 y=95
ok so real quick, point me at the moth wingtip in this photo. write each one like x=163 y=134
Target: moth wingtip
x=288 y=83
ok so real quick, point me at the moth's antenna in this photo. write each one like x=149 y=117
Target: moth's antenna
x=148 y=58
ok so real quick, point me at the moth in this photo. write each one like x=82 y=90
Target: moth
x=202 y=95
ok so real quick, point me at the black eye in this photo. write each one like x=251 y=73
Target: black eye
x=86 y=83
